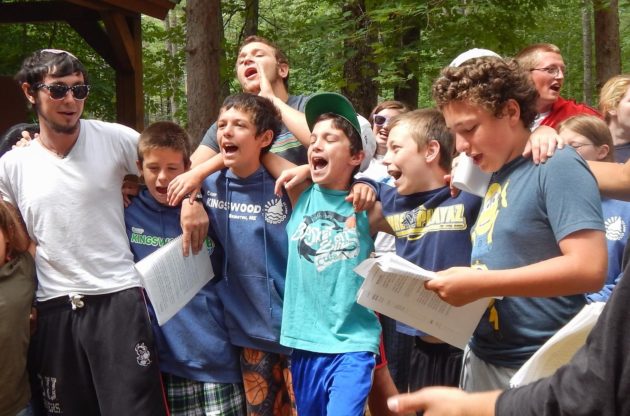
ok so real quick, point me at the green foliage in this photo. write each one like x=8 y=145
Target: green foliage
x=19 y=41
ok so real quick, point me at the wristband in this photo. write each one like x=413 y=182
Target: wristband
x=198 y=196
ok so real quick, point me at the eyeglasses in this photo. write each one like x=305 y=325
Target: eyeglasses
x=577 y=145
x=380 y=121
x=59 y=91
x=551 y=70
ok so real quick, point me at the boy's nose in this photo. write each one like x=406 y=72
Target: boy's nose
x=461 y=145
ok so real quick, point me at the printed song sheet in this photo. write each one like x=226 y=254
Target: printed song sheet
x=560 y=348
x=394 y=287
x=172 y=280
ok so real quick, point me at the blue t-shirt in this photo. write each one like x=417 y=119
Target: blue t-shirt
x=526 y=212
x=284 y=144
x=616 y=219
x=327 y=240
x=432 y=229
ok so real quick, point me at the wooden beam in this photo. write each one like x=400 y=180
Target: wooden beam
x=42 y=12
x=97 y=38
x=153 y=8
x=122 y=40
x=129 y=91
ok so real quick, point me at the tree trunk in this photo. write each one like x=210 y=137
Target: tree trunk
x=587 y=50
x=607 y=47
x=359 y=71
x=251 y=18
x=171 y=49
x=203 y=64
x=408 y=91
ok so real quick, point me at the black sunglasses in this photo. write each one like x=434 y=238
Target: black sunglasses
x=59 y=91
x=380 y=120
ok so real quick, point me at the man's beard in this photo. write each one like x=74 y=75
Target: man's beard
x=57 y=128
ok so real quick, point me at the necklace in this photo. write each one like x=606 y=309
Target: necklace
x=60 y=155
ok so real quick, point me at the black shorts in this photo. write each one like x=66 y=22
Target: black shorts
x=96 y=356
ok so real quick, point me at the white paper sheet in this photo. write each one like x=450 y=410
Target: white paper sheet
x=394 y=287
x=560 y=348
x=172 y=280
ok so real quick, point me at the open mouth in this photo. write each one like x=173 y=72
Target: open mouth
x=555 y=88
x=229 y=149
x=318 y=163
x=396 y=174
x=250 y=72
x=161 y=189
x=476 y=158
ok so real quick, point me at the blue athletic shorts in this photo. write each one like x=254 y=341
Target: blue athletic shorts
x=331 y=384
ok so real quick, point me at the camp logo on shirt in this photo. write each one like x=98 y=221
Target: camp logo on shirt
x=276 y=211
x=139 y=237
x=327 y=237
x=615 y=228
x=415 y=224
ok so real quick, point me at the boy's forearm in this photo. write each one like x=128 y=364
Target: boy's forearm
x=275 y=164
x=295 y=121
x=567 y=274
x=613 y=179
x=207 y=168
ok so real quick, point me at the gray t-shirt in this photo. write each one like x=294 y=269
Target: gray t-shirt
x=527 y=210
x=284 y=145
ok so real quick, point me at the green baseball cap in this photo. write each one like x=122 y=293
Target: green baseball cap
x=330 y=102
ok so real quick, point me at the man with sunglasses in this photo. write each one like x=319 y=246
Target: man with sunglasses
x=93 y=352
x=546 y=67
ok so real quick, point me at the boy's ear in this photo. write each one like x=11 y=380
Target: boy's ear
x=602 y=151
x=357 y=158
x=513 y=111
x=26 y=88
x=432 y=151
x=266 y=138
x=139 y=164
x=283 y=70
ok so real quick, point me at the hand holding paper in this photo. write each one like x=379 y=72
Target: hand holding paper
x=456 y=285
x=395 y=287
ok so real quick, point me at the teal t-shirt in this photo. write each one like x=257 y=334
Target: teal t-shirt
x=327 y=240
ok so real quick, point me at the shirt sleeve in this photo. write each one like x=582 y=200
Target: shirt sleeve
x=571 y=196
x=210 y=138
x=595 y=382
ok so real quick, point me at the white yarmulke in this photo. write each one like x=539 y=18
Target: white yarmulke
x=369 y=142
x=473 y=53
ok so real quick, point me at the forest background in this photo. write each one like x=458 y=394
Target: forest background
x=369 y=50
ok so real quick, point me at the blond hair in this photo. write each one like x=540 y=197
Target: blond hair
x=611 y=94
x=528 y=56
x=594 y=129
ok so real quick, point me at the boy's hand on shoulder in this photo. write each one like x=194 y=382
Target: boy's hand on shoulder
x=290 y=178
x=130 y=188
x=542 y=144
x=362 y=197
x=184 y=184
x=457 y=286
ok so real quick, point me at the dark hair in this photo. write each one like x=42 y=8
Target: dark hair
x=425 y=125
x=338 y=122
x=281 y=58
x=13 y=134
x=51 y=62
x=164 y=135
x=265 y=115
x=488 y=82
x=14 y=233
x=391 y=105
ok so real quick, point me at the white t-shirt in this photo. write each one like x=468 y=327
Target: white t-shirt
x=73 y=209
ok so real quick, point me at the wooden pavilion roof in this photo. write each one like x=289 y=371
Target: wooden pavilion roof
x=112 y=28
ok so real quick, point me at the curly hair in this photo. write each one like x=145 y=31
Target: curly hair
x=490 y=83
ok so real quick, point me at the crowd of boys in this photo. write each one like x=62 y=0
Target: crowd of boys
x=278 y=331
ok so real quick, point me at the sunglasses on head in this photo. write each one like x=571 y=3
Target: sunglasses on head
x=380 y=121
x=59 y=91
